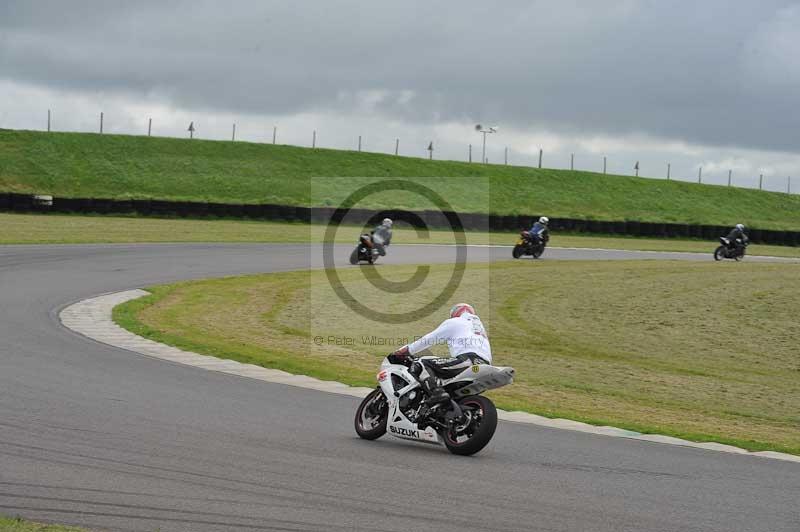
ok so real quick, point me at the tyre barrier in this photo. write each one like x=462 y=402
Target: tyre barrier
x=434 y=219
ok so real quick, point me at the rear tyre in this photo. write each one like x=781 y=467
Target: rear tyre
x=719 y=253
x=371 y=416
x=474 y=432
x=517 y=251
x=354 y=257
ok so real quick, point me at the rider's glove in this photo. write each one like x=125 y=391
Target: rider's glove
x=400 y=358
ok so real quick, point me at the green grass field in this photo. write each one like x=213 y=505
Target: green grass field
x=68 y=229
x=9 y=524
x=116 y=166
x=702 y=351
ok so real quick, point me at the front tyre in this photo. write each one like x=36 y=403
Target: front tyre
x=476 y=428
x=517 y=251
x=371 y=416
x=538 y=252
x=354 y=257
x=719 y=253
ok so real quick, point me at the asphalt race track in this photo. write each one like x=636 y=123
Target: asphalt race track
x=100 y=437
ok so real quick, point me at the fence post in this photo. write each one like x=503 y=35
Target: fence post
x=274 y=133
x=149 y=126
x=314 y=139
x=572 y=161
x=729 y=177
x=48 y=120
x=506 y=156
x=540 y=157
x=101 y=122
x=470 y=153
x=396 y=146
x=233 y=134
x=788 y=184
x=359 y=143
x=760 y=180
x=669 y=166
x=700 y=175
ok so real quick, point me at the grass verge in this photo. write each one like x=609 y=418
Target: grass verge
x=17 y=524
x=120 y=166
x=70 y=229
x=689 y=350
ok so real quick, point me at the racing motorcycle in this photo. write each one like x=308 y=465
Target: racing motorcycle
x=731 y=250
x=365 y=250
x=528 y=244
x=464 y=425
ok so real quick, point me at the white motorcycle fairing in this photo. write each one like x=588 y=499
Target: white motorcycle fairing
x=398 y=424
x=475 y=379
x=479 y=378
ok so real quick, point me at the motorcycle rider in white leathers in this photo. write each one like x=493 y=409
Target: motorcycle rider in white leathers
x=467 y=341
x=382 y=237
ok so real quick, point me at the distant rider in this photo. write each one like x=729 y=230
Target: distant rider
x=540 y=229
x=467 y=341
x=382 y=237
x=737 y=238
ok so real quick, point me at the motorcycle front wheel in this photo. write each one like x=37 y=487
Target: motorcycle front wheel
x=354 y=257
x=517 y=251
x=371 y=416
x=538 y=252
x=475 y=429
x=719 y=253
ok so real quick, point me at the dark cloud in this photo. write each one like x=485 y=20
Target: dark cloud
x=714 y=73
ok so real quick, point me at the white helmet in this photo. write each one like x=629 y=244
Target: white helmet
x=387 y=222
x=544 y=220
x=740 y=227
x=460 y=308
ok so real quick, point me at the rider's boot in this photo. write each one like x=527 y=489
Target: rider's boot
x=436 y=394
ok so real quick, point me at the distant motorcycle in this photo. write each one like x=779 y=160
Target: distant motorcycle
x=529 y=244
x=464 y=425
x=365 y=250
x=731 y=250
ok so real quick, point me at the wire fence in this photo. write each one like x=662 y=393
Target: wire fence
x=772 y=183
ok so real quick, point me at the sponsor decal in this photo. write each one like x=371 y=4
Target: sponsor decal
x=382 y=376
x=404 y=432
x=476 y=368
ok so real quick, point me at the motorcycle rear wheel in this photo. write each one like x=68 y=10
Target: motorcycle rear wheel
x=517 y=251
x=371 y=425
x=354 y=257
x=719 y=253
x=475 y=432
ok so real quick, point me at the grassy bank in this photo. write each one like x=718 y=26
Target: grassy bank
x=67 y=229
x=15 y=524
x=665 y=347
x=117 y=166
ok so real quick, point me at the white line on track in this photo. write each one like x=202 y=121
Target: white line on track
x=615 y=250
x=93 y=318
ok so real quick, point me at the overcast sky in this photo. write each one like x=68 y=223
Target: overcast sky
x=711 y=83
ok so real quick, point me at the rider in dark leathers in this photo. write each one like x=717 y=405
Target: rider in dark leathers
x=737 y=237
x=540 y=229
